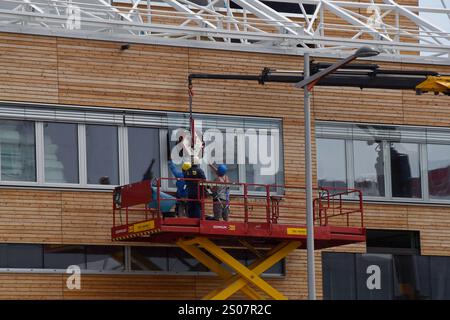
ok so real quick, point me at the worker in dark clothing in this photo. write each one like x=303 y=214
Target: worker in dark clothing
x=194 y=204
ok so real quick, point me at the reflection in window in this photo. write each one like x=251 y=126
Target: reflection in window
x=149 y=258
x=180 y=261
x=102 y=155
x=439 y=171
x=369 y=167
x=263 y=166
x=331 y=166
x=61 y=152
x=24 y=256
x=405 y=170
x=17 y=150
x=62 y=256
x=105 y=258
x=143 y=150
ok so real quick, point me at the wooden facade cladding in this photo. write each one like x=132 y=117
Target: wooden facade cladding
x=95 y=73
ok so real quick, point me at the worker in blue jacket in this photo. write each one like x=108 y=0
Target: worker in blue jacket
x=182 y=193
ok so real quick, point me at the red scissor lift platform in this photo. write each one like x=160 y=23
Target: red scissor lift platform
x=269 y=217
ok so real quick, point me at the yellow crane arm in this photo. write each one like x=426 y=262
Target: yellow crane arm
x=436 y=84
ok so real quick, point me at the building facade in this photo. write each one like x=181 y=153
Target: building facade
x=78 y=116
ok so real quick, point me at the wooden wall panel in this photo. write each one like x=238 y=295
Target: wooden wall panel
x=28 y=68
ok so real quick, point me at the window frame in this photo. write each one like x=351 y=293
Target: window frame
x=122 y=119
x=344 y=135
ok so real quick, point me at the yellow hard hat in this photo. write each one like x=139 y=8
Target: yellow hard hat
x=186 y=166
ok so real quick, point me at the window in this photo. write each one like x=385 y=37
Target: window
x=394 y=163
x=22 y=256
x=368 y=166
x=62 y=256
x=331 y=165
x=402 y=277
x=149 y=258
x=94 y=258
x=393 y=241
x=105 y=258
x=102 y=155
x=68 y=146
x=17 y=150
x=405 y=170
x=143 y=153
x=439 y=171
x=61 y=152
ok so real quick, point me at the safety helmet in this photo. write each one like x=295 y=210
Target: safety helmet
x=186 y=166
x=222 y=170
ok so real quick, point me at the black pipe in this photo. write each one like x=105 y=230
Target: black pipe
x=377 y=79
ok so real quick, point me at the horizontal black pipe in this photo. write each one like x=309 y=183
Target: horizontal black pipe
x=359 y=80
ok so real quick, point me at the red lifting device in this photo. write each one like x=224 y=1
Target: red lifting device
x=271 y=218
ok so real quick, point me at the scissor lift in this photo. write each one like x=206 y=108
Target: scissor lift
x=268 y=217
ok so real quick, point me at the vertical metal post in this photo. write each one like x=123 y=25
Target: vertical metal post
x=309 y=188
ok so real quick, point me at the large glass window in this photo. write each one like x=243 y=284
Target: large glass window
x=331 y=164
x=63 y=256
x=105 y=258
x=369 y=167
x=143 y=153
x=405 y=170
x=102 y=155
x=17 y=150
x=439 y=171
x=61 y=152
x=398 y=163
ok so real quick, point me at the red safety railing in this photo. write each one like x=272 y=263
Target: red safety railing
x=248 y=202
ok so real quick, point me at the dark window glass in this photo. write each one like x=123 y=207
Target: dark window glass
x=24 y=256
x=17 y=150
x=369 y=167
x=283 y=7
x=277 y=269
x=393 y=241
x=3 y=259
x=411 y=277
x=181 y=261
x=63 y=256
x=102 y=155
x=440 y=278
x=339 y=281
x=105 y=258
x=143 y=148
x=331 y=165
x=405 y=170
x=149 y=258
x=439 y=171
x=61 y=152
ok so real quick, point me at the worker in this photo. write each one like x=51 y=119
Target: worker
x=181 y=195
x=193 y=176
x=221 y=193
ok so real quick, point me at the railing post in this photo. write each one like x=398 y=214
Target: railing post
x=158 y=197
x=202 y=200
x=268 y=203
x=361 y=208
x=245 y=203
